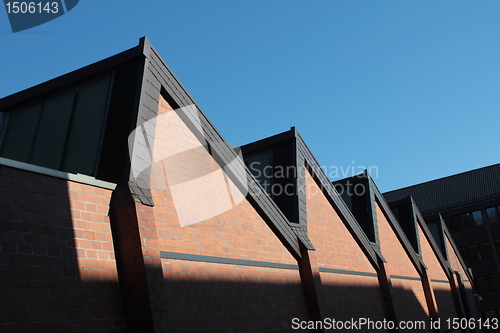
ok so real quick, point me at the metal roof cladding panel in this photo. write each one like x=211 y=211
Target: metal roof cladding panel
x=453 y=191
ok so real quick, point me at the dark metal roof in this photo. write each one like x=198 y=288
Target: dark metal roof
x=71 y=77
x=453 y=191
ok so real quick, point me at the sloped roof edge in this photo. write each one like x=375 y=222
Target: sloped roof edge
x=455 y=249
x=73 y=76
x=157 y=75
x=335 y=200
x=427 y=234
x=393 y=222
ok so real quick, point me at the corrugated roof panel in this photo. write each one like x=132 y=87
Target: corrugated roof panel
x=453 y=191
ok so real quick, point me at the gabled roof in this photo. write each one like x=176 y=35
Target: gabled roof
x=398 y=231
x=453 y=191
x=158 y=78
x=336 y=201
x=141 y=84
x=419 y=220
x=80 y=121
x=305 y=159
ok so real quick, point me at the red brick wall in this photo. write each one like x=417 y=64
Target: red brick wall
x=211 y=295
x=57 y=267
x=342 y=296
x=59 y=272
x=439 y=280
x=89 y=207
x=408 y=295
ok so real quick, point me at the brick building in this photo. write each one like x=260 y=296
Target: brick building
x=123 y=209
x=469 y=203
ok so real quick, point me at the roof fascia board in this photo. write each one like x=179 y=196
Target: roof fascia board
x=336 y=201
x=386 y=210
x=71 y=77
x=196 y=119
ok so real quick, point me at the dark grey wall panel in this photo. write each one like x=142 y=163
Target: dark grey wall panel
x=121 y=120
x=285 y=179
x=21 y=130
x=53 y=129
x=407 y=221
x=86 y=127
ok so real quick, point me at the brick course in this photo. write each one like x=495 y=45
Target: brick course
x=57 y=263
x=76 y=257
x=341 y=296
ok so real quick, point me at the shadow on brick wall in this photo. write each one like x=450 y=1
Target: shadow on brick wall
x=220 y=304
x=42 y=288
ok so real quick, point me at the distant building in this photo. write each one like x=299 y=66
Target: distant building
x=122 y=209
x=469 y=203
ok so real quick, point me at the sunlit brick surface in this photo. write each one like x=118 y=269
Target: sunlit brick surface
x=442 y=291
x=408 y=295
x=359 y=296
x=91 y=226
x=229 y=297
x=57 y=267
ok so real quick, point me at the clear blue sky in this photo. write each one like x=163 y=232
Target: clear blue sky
x=409 y=87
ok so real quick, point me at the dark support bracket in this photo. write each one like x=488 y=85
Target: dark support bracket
x=386 y=286
x=311 y=281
